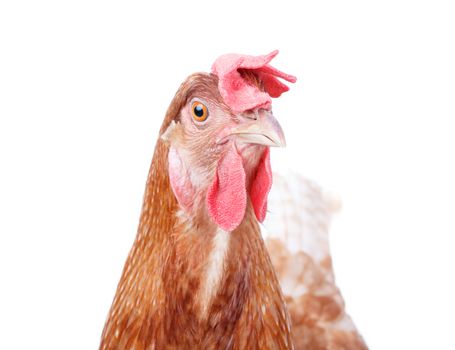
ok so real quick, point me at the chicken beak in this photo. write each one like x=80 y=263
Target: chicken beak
x=264 y=130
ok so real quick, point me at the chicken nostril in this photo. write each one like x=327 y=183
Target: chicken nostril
x=253 y=115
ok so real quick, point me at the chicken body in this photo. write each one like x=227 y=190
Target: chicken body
x=187 y=283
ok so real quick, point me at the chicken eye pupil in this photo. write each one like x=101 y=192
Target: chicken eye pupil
x=199 y=110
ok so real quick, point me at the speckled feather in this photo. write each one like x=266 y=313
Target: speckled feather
x=297 y=236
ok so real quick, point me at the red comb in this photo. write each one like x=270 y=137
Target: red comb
x=238 y=93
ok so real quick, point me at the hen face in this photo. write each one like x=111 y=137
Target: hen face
x=209 y=140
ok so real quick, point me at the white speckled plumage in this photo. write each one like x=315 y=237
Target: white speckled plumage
x=296 y=231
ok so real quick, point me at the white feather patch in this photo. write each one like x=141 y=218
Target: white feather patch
x=215 y=269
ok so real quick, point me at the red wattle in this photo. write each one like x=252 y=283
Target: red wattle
x=261 y=186
x=226 y=196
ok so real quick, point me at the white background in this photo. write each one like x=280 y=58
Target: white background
x=84 y=86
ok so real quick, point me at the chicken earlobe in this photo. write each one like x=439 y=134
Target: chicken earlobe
x=180 y=181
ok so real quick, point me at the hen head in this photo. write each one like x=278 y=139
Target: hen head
x=219 y=139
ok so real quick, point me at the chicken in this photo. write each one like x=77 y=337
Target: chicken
x=296 y=234
x=199 y=275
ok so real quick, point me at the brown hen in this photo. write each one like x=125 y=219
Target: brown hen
x=186 y=283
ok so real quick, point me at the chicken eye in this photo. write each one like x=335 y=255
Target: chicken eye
x=200 y=111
